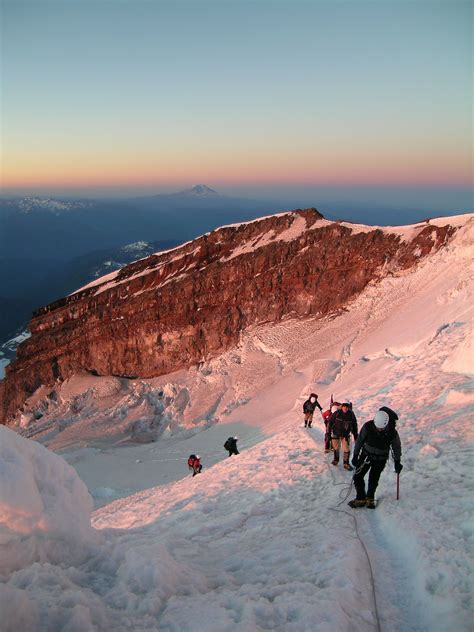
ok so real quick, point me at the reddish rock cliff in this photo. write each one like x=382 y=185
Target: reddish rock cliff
x=173 y=309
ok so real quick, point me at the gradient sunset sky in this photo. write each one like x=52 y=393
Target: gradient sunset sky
x=123 y=96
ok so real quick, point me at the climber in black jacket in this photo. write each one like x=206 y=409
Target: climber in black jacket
x=371 y=453
x=340 y=426
x=231 y=445
x=309 y=407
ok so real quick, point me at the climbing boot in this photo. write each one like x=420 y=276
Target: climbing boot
x=370 y=503
x=355 y=504
x=348 y=467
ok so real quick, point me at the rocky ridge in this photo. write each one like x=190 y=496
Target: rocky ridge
x=177 y=308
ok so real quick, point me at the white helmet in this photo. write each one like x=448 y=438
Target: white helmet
x=381 y=419
x=197 y=456
x=236 y=438
x=334 y=408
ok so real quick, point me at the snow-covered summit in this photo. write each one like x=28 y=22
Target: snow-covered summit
x=199 y=190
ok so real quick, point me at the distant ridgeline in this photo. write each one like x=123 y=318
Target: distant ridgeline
x=174 y=309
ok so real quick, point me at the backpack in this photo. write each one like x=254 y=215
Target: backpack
x=192 y=458
x=227 y=444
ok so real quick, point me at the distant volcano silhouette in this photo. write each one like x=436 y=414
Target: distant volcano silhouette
x=199 y=190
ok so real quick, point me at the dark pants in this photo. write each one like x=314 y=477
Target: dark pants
x=197 y=470
x=231 y=452
x=376 y=468
x=327 y=437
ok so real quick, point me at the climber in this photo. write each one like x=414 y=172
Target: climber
x=371 y=453
x=308 y=409
x=341 y=424
x=194 y=463
x=326 y=415
x=231 y=445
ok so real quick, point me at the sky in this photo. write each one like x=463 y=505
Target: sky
x=249 y=97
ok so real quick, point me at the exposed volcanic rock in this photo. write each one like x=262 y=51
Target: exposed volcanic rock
x=177 y=308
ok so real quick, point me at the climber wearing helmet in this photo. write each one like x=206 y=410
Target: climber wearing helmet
x=309 y=408
x=371 y=453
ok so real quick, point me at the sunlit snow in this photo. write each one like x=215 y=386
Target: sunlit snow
x=254 y=543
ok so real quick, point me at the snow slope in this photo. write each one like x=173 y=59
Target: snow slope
x=254 y=542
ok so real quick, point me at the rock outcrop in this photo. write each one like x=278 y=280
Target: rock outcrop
x=177 y=308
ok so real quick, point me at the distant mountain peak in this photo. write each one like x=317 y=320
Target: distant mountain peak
x=55 y=206
x=199 y=190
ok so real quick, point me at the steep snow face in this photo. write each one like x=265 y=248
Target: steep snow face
x=44 y=506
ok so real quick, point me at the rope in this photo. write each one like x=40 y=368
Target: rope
x=379 y=627
x=349 y=489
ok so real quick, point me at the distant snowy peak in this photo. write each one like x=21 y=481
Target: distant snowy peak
x=138 y=246
x=123 y=256
x=56 y=207
x=126 y=253
x=200 y=191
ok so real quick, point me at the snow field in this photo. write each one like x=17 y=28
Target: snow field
x=241 y=546
x=251 y=543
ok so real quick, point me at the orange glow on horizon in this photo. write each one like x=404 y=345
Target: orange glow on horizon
x=368 y=168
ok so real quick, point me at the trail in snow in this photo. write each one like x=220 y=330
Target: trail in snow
x=394 y=576
x=275 y=536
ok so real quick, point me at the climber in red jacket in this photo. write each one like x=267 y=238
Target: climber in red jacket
x=194 y=463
